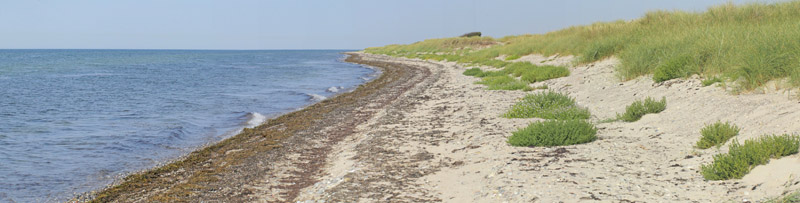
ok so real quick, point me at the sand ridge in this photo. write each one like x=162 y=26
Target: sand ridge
x=444 y=141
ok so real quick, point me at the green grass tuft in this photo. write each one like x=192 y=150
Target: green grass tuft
x=473 y=71
x=504 y=82
x=547 y=105
x=543 y=73
x=554 y=133
x=740 y=159
x=637 y=109
x=789 y=198
x=717 y=134
x=710 y=81
x=512 y=57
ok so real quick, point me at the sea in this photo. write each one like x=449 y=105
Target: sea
x=73 y=121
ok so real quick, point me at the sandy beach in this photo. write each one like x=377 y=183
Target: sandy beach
x=445 y=141
x=424 y=132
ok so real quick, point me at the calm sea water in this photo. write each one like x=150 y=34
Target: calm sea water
x=74 y=120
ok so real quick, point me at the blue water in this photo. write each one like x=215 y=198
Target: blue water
x=74 y=120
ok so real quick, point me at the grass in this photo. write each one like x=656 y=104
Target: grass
x=547 y=105
x=789 y=198
x=504 y=82
x=554 y=133
x=637 y=109
x=750 y=44
x=710 y=81
x=512 y=57
x=716 y=134
x=741 y=158
x=529 y=73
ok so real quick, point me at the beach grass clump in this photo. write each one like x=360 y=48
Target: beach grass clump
x=503 y=82
x=741 y=158
x=637 y=109
x=788 y=198
x=750 y=44
x=710 y=81
x=547 y=105
x=717 y=134
x=554 y=133
x=543 y=73
x=473 y=72
x=512 y=57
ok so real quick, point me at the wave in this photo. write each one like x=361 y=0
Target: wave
x=255 y=119
x=316 y=97
x=335 y=89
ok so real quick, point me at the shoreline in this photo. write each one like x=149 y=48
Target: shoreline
x=434 y=135
x=239 y=160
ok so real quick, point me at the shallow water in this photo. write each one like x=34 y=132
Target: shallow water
x=73 y=120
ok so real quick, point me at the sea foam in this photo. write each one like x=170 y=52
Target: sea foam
x=255 y=119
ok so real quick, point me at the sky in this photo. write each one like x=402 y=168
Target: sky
x=296 y=24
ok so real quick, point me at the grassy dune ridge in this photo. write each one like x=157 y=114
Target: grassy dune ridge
x=747 y=45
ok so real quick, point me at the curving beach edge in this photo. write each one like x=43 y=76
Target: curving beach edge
x=425 y=132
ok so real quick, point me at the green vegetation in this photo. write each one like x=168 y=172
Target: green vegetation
x=528 y=72
x=547 y=105
x=790 y=198
x=554 y=133
x=750 y=44
x=717 y=134
x=711 y=81
x=504 y=82
x=740 y=159
x=512 y=57
x=637 y=109
x=473 y=72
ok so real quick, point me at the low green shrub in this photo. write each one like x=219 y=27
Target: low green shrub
x=543 y=73
x=473 y=71
x=491 y=74
x=717 y=134
x=547 y=105
x=710 y=81
x=554 y=133
x=504 y=82
x=740 y=159
x=637 y=109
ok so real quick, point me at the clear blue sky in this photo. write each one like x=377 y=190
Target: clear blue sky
x=295 y=24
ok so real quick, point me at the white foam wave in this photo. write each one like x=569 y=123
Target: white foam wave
x=316 y=97
x=255 y=119
x=335 y=89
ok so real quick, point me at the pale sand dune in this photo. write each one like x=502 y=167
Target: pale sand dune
x=445 y=141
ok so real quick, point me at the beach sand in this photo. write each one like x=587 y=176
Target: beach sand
x=445 y=141
x=424 y=132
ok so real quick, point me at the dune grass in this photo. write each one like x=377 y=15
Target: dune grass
x=749 y=44
x=741 y=158
x=789 y=198
x=710 y=81
x=503 y=82
x=637 y=109
x=554 y=133
x=547 y=105
x=717 y=134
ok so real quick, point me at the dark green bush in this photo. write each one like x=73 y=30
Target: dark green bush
x=547 y=105
x=740 y=159
x=717 y=134
x=637 y=109
x=554 y=133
